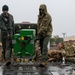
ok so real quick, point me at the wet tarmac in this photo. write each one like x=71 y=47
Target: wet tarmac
x=61 y=69
x=52 y=68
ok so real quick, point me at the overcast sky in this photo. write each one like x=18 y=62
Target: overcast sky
x=62 y=12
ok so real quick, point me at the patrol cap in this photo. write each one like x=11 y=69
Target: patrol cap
x=5 y=8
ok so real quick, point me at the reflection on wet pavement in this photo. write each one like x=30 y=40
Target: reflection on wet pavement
x=1 y=70
x=51 y=69
x=61 y=69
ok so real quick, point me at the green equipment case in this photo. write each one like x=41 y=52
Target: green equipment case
x=24 y=45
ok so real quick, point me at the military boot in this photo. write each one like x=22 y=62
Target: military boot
x=43 y=64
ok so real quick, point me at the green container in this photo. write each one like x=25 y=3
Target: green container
x=24 y=45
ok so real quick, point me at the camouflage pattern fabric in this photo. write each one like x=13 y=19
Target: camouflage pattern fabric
x=69 y=48
x=44 y=24
x=7 y=31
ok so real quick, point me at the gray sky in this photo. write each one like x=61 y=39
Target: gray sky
x=62 y=12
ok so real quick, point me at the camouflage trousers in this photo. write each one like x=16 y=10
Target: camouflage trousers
x=7 y=47
x=44 y=49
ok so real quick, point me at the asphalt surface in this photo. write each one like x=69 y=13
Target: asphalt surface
x=52 y=68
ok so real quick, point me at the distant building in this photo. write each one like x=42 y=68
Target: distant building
x=70 y=38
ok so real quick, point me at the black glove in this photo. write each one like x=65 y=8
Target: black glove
x=43 y=33
x=8 y=36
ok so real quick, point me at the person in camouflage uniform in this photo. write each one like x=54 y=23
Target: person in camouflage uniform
x=61 y=51
x=7 y=31
x=69 y=48
x=44 y=30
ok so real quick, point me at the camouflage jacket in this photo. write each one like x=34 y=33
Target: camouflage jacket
x=8 y=27
x=44 y=23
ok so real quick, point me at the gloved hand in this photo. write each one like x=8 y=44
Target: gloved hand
x=43 y=33
x=8 y=36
